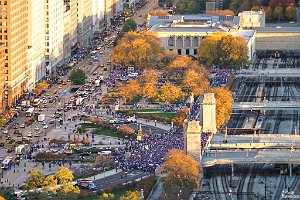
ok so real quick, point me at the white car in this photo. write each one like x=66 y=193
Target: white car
x=45 y=126
x=29 y=134
x=43 y=123
x=101 y=52
x=37 y=128
x=22 y=126
x=52 y=116
x=60 y=87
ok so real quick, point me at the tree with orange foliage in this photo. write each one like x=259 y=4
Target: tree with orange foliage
x=180 y=116
x=179 y=65
x=150 y=79
x=141 y=50
x=183 y=170
x=195 y=82
x=159 y=13
x=224 y=104
x=170 y=92
x=220 y=12
x=129 y=90
x=2 y=198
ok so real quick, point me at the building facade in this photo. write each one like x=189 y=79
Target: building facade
x=67 y=32
x=36 y=41
x=2 y=63
x=85 y=23
x=14 y=35
x=54 y=35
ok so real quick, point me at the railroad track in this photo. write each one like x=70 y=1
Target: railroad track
x=256 y=168
x=279 y=189
x=216 y=190
x=225 y=185
x=241 y=183
x=294 y=183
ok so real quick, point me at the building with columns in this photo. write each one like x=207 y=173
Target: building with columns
x=183 y=34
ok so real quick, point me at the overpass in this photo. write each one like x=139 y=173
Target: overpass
x=271 y=105
x=241 y=149
x=250 y=73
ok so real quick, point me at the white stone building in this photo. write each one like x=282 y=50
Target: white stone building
x=36 y=42
x=54 y=34
x=85 y=22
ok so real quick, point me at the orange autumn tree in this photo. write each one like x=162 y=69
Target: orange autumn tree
x=195 y=82
x=220 y=12
x=170 y=92
x=182 y=170
x=224 y=104
x=150 y=79
x=129 y=90
x=141 y=50
x=159 y=13
x=180 y=116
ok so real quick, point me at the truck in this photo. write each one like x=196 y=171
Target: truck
x=79 y=101
x=87 y=184
x=29 y=112
x=97 y=82
x=20 y=149
x=41 y=118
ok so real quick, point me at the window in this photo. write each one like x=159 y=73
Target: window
x=6 y=78
x=187 y=52
x=6 y=71
x=171 y=42
x=179 y=51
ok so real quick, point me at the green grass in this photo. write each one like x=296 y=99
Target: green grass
x=107 y=132
x=144 y=110
x=168 y=115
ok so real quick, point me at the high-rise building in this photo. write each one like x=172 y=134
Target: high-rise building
x=36 y=41
x=73 y=25
x=14 y=35
x=54 y=35
x=67 y=32
x=2 y=61
x=85 y=23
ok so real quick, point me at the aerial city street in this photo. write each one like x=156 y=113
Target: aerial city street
x=146 y=99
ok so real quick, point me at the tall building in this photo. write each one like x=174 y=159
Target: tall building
x=14 y=35
x=67 y=32
x=2 y=62
x=54 y=35
x=36 y=41
x=85 y=23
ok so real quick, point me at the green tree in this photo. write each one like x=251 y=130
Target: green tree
x=269 y=14
x=78 y=77
x=67 y=192
x=277 y=13
x=290 y=13
x=131 y=196
x=129 y=25
x=35 y=180
x=2 y=121
x=36 y=195
x=63 y=175
x=7 y=192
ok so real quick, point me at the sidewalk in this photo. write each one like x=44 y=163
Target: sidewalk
x=104 y=174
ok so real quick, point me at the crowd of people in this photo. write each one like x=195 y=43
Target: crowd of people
x=147 y=154
x=219 y=77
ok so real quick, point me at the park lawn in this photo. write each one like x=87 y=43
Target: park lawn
x=144 y=110
x=168 y=115
x=107 y=132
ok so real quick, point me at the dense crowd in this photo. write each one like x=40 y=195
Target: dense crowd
x=147 y=154
x=219 y=77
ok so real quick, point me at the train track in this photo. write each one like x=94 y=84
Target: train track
x=225 y=186
x=295 y=183
x=241 y=184
x=279 y=189
x=256 y=168
x=216 y=190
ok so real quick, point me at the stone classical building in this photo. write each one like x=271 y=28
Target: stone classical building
x=250 y=19
x=183 y=34
x=208 y=112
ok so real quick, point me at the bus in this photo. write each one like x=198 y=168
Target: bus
x=7 y=163
x=36 y=102
x=29 y=112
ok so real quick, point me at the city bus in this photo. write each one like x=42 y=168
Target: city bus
x=7 y=163
x=29 y=112
x=36 y=102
